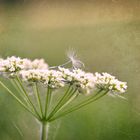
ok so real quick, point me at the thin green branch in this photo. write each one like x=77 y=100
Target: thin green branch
x=47 y=103
x=67 y=97
x=20 y=91
x=18 y=100
x=14 y=84
x=69 y=100
x=84 y=103
x=89 y=99
x=60 y=102
x=26 y=94
x=38 y=98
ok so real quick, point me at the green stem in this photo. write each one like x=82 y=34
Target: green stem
x=44 y=130
x=69 y=99
x=38 y=98
x=16 y=85
x=59 y=102
x=22 y=87
x=84 y=103
x=48 y=98
x=18 y=100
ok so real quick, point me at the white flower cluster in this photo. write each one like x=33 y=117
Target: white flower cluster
x=80 y=79
x=38 y=71
x=38 y=64
x=13 y=64
x=108 y=82
x=83 y=81
x=51 y=78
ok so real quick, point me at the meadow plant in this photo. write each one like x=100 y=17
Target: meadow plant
x=74 y=82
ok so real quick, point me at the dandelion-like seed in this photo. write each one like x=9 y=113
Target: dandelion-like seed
x=76 y=63
x=33 y=73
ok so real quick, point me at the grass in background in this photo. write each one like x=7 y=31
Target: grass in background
x=107 y=39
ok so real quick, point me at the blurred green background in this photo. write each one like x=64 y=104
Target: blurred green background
x=105 y=35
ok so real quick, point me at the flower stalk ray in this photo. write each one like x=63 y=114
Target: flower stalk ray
x=18 y=100
x=36 y=91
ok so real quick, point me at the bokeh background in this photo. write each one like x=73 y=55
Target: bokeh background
x=106 y=36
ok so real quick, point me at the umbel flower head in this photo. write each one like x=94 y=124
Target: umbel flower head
x=85 y=82
x=50 y=78
x=106 y=81
x=75 y=80
x=12 y=65
x=38 y=71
